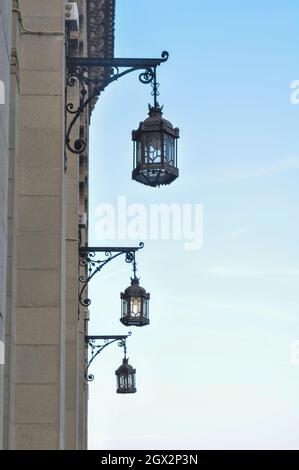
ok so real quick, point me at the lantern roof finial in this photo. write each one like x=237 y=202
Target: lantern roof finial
x=155 y=109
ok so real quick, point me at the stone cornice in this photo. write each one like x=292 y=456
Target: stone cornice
x=100 y=34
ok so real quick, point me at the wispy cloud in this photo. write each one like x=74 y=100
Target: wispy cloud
x=226 y=271
x=281 y=166
x=236 y=233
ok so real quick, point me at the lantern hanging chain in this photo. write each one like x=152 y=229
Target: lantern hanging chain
x=155 y=85
x=125 y=348
x=134 y=268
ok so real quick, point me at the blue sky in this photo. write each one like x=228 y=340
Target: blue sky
x=213 y=368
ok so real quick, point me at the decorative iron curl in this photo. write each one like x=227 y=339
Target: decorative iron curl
x=129 y=257
x=70 y=108
x=77 y=75
x=85 y=302
x=114 y=72
x=71 y=79
x=87 y=259
x=79 y=146
x=147 y=76
x=165 y=56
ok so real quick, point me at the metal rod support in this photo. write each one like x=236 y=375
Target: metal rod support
x=116 y=62
x=96 y=349
x=78 y=69
x=93 y=249
x=87 y=338
x=94 y=265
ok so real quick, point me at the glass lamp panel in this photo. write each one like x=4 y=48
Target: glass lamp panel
x=153 y=147
x=124 y=308
x=169 y=149
x=138 y=152
x=125 y=381
x=135 y=307
x=130 y=381
x=145 y=303
x=120 y=382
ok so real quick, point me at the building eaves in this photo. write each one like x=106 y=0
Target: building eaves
x=100 y=38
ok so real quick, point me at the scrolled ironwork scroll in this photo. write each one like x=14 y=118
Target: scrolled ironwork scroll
x=93 y=265
x=97 y=348
x=78 y=73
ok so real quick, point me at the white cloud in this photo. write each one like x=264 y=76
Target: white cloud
x=281 y=166
x=226 y=271
x=235 y=233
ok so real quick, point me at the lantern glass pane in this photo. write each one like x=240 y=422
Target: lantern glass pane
x=152 y=147
x=138 y=152
x=135 y=306
x=124 y=308
x=169 y=149
x=145 y=303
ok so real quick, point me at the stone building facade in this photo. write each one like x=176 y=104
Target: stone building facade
x=5 y=47
x=43 y=191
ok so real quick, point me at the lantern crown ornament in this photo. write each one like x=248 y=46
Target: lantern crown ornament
x=135 y=303
x=155 y=147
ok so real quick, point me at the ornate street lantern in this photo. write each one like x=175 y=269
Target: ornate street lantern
x=155 y=150
x=134 y=302
x=125 y=378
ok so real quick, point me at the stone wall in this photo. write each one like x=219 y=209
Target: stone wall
x=35 y=337
x=5 y=38
x=44 y=402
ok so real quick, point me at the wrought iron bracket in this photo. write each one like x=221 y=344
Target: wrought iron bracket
x=93 y=265
x=97 y=348
x=90 y=88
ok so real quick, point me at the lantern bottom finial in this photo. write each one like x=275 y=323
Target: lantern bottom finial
x=132 y=321
x=155 y=177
